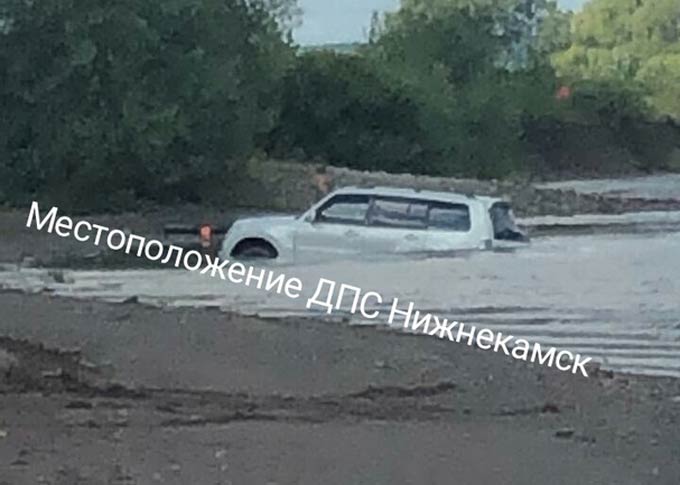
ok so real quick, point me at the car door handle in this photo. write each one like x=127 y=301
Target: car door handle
x=411 y=237
x=351 y=233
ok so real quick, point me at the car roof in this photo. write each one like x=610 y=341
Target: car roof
x=452 y=197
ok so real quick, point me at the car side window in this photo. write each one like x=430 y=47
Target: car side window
x=455 y=217
x=398 y=213
x=344 y=209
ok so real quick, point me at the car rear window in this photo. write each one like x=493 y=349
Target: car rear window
x=455 y=217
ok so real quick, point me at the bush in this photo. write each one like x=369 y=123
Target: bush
x=341 y=109
x=107 y=103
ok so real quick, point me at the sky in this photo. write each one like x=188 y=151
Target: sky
x=333 y=21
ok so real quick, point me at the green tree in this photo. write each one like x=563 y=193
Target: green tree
x=554 y=32
x=523 y=27
x=287 y=12
x=631 y=41
x=137 y=98
x=456 y=57
x=340 y=109
x=661 y=75
x=453 y=44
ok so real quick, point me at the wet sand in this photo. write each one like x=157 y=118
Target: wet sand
x=96 y=393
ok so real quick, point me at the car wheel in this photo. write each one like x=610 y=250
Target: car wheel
x=255 y=250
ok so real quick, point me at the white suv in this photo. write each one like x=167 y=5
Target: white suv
x=372 y=221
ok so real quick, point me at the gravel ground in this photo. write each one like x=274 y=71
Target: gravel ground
x=96 y=393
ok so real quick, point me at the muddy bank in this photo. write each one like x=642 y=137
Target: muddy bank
x=38 y=248
x=100 y=393
x=290 y=187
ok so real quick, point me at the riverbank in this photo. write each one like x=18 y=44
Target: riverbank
x=291 y=187
x=19 y=244
x=102 y=393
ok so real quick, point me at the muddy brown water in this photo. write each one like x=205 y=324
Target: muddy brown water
x=665 y=186
x=611 y=295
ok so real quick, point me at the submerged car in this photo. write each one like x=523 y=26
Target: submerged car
x=354 y=221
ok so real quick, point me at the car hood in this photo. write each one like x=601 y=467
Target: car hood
x=265 y=221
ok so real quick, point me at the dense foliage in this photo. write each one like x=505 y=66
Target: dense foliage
x=110 y=102
x=339 y=108
x=105 y=104
x=636 y=42
x=427 y=95
x=472 y=86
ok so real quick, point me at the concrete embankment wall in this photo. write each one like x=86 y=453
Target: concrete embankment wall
x=287 y=186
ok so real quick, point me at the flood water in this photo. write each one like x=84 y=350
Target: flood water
x=654 y=186
x=613 y=296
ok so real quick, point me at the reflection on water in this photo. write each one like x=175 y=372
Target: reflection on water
x=613 y=297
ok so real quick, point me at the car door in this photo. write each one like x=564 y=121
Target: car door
x=336 y=231
x=395 y=225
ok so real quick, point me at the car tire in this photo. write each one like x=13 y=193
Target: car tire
x=254 y=250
